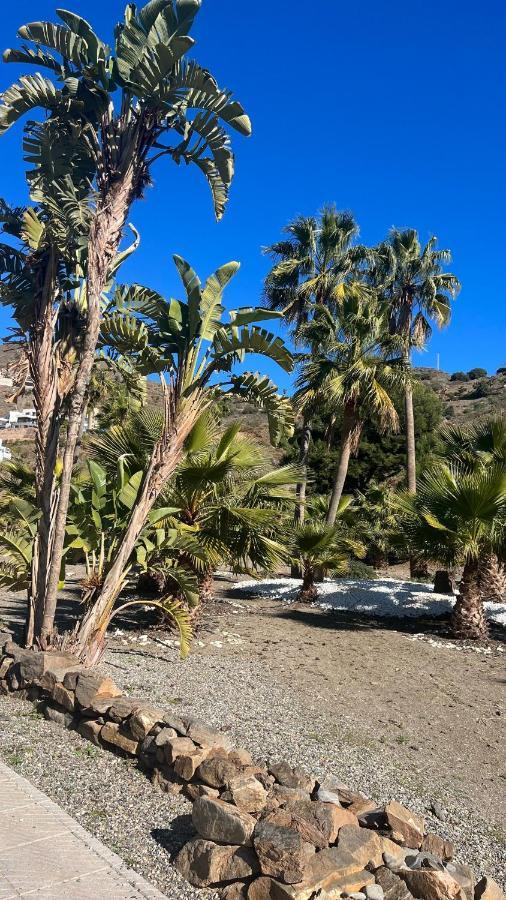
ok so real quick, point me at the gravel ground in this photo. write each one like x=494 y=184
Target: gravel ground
x=116 y=802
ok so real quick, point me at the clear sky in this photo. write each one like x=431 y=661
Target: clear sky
x=393 y=110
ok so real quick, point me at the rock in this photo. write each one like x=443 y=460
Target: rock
x=236 y=891
x=423 y=860
x=464 y=875
x=293 y=778
x=394 y=887
x=90 y=730
x=90 y=688
x=364 y=845
x=240 y=757
x=282 y=851
x=178 y=746
x=63 y=697
x=165 y=736
x=172 y=721
x=99 y=707
x=5 y=665
x=122 y=707
x=429 y=885
x=438 y=811
x=247 y=793
x=192 y=791
x=362 y=807
x=215 y=820
x=33 y=664
x=284 y=795
x=217 y=771
x=143 y=719
x=329 y=874
x=374 y=892
x=326 y=818
x=112 y=734
x=347 y=796
x=328 y=790
x=187 y=764
x=166 y=780
x=488 y=889
x=208 y=738
x=58 y=716
x=440 y=847
x=204 y=863
x=407 y=827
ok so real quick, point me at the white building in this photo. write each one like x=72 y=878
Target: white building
x=5 y=453
x=19 y=418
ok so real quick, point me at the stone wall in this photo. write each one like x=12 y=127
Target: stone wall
x=264 y=831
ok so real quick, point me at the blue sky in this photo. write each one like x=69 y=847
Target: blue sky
x=394 y=111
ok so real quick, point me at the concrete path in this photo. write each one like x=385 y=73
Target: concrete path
x=46 y=854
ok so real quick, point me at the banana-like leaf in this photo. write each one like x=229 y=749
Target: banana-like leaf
x=124 y=255
x=195 y=87
x=33 y=229
x=34 y=57
x=260 y=390
x=229 y=340
x=96 y=49
x=211 y=309
x=128 y=495
x=249 y=315
x=30 y=92
x=66 y=42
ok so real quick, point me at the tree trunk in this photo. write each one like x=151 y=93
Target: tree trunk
x=348 y=440
x=410 y=439
x=308 y=592
x=105 y=237
x=206 y=588
x=305 y=440
x=165 y=459
x=492 y=580
x=468 y=619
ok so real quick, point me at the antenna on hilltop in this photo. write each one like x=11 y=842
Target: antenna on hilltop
x=437 y=362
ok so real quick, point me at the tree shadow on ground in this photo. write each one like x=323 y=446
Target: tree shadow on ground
x=172 y=839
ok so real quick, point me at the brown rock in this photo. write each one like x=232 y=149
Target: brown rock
x=329 y=874
x=488 y=889
x=439 y=846
x=90 y=688
x=187 y=764
x=165 y=736
x=364 y=845
x=122 y=707
x=58 y=716
x=204 y=863
x=208 y=738
x=361 y=807
x=5 y=665
x=247 y=793
x=407 y=827
x=285 y=795
x=215 y=820
x=178 y=746
x=143 y=719
x=293 y=778
x=327 y=818
x=112 y=734
x=394 y=887
x=166 y=780
x=172 y=721
x=33 y=665
x=90 y=730
x=192 y=791
x=282 y=851
x=465 y=877
x=217 y=771
x=429 y=885
x=63 y=697
x=70 y=678
x=236 y=891
x=240 y=757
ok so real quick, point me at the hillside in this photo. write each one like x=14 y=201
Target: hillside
x=466 y=401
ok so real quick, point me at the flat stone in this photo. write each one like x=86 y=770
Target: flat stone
x=217 y=771
x=34 y=664
x=166 y=780
x=208 y=738
x=172 y=721
x=407 y=827
x=361 y=807
x=204 y=863
x=394 y=887
x=187 y=764
x=178 y=746
x=323 y=819
x=90 y=730
x=192 y=791
x=328 y=790
x=143 y=719
x=464 y=875
x=293 y=778
x=362 y=844
x=247 y=793
x=374 y=892
x=283 y=852
x=488 y=889
x=63 y=697
x=428 y=885
x=439 y=846
x=5 y=665
x=215 y=820
x=329 y=875
x=58 y=716
x=236 y=891
x=240 y=757
x=122 y=707
x=112 y=734
x=165 y=736
x=90 y=688
x=284 y=795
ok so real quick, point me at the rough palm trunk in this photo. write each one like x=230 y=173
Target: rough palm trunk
x=415 y=568
x=468 y=619
x=349 y=434
x=206 y=588
x=308 y=592
x=165 y=459
x=105 y=237
x=305 y=440
x=492 y=580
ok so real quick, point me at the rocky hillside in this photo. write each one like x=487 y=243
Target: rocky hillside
x=464 y=401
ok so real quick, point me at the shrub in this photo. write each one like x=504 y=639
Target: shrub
x=477 y=373
x=502 y=370
x=459 y=376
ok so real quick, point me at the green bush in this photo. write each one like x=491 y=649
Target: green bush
x=459 y=376
x=477 y=373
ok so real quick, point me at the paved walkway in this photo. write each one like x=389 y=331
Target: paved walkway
x=45 y=853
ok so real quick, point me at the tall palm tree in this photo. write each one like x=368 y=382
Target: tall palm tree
x=416 y=290
x=352 y=363
x=457 y=517
x=311 y=265
x=108 y=116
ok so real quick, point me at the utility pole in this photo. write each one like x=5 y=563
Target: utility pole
x=437 y=364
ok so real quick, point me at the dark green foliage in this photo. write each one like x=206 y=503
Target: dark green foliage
x=460 y=376
x=477 y=373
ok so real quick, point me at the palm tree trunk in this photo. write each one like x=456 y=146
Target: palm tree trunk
x=492 y=580
x=206 y=588
x=410 y=436
x=305 y=440
x=105 y=237
x=308 y=592
x=348 y=438
x=468 y=619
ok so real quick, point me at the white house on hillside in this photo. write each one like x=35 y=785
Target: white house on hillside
x=5 y=453
x=19 y=418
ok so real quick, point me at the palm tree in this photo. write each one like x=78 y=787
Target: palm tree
x=416 y=291
x=311 y=265
x=193 y=349
x=352 y=364
x=107 y=116
x=457 y=517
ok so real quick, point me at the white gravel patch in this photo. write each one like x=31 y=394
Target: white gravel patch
x=382 y=597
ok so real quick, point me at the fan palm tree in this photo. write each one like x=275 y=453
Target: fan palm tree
x=108 y=116
x=456 y=518
x=416 y=291
x=193 y=348
x=352 y=364
x=310 y=266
